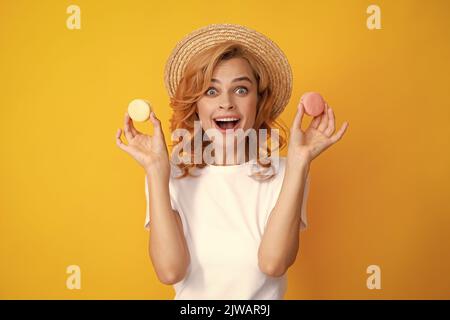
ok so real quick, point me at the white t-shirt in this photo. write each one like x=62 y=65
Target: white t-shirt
x=224 y=212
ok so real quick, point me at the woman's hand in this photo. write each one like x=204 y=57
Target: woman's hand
x=149 y=151
x=307 y=145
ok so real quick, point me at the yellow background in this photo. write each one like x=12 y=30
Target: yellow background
x=69 y=195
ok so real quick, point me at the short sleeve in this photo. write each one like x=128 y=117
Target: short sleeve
x=147 y=207
x=303 y=213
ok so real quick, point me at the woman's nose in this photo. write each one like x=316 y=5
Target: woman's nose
x=226 y=102
x=226 y=107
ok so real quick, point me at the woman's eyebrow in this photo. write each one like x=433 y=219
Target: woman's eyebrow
x=234 y=80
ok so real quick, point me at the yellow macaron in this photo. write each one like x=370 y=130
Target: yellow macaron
x=139 y=110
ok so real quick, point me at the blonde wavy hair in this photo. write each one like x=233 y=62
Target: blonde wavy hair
x=194 y=83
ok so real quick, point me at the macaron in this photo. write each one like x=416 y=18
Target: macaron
x=139 y=110
x=314 y=103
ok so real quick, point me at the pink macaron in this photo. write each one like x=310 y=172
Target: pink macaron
x=314 y=103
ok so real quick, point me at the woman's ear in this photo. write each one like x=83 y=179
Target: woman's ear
x=196 y=111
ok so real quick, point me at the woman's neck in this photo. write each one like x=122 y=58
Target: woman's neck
x=230 y=158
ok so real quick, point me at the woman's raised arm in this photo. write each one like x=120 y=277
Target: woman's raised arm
x=167 y=245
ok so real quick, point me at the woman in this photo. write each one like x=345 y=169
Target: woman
x=227 y=227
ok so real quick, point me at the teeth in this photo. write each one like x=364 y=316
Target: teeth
x=227 y=119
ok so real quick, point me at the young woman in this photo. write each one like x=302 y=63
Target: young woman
x=224 y=220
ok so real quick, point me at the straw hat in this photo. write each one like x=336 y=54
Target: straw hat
x=264 y=49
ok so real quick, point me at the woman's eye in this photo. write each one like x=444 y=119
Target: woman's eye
x=243 y=88
x=209 y=90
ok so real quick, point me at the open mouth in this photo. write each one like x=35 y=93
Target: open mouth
x=227 y=123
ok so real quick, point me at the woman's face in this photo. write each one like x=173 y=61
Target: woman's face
x=231 y=99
